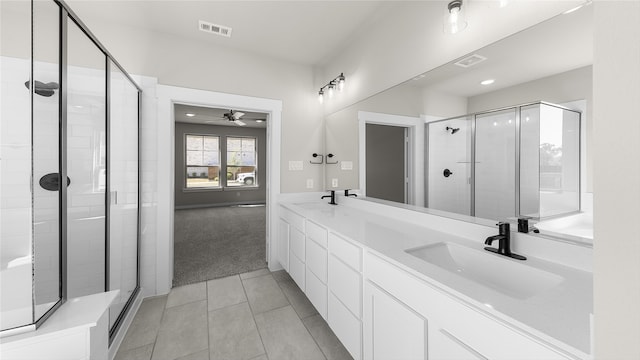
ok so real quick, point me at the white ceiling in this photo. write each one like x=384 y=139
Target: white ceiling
x=560 y=44
x=305 y=32
x=213 y=116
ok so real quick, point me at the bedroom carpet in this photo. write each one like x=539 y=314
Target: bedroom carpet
x=211 y=243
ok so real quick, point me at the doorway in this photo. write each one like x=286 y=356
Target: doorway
x=220 y=192
x=393 y=146
x=386 y=155
x=167 y=97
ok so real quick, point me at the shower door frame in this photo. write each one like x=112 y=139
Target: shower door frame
x=66 y=13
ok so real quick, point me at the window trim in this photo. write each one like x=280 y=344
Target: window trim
x=222 y=186
x=256 y=184
x=185 y=187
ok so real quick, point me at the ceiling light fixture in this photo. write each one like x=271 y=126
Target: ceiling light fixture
x=259 y=121
x=190 y=114
x=455 y=18
x=487 y=82
x=337 y=82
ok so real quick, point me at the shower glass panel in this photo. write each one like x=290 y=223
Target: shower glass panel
x=16 y=292
x=46 y=156
x=449 y=165
x=530 y=160
x=86 y=164
x=495 y=165
x=123 y=187
x=550 y=161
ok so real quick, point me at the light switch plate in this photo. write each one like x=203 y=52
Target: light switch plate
x=309 y=183
x=346 y=165
x=334 y=182
x=295 y=165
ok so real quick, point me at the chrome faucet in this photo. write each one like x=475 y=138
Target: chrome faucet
x=504 y=242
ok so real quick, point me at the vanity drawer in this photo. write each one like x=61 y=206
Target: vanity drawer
x=345 y=251
x=346 y=327
x=316 y=259
x=317 y=233
x=296 y=243
x=346 y=284
x=297 y=271
x=316 y=291
x=295 y=220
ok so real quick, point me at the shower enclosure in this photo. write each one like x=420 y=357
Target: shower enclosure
x=512 y=162
x=69 y=167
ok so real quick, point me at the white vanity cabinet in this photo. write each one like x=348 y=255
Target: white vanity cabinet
x=381 y=309
x=291 y=245
x=316 y=266
x=432 y=320
x=345 y=293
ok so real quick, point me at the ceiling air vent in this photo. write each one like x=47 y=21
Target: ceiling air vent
x=470 y=60
x=214 y=28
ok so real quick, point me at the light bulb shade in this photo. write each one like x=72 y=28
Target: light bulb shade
x=331 y=90
x=321 y=96
x=455 y=17
x=341 y=82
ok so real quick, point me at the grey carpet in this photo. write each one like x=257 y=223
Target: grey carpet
x=216 y=242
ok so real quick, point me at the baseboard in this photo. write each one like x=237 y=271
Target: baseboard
x=201 y=206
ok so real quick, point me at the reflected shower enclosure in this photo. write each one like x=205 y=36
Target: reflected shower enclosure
x=522 y=161
x=69 y=112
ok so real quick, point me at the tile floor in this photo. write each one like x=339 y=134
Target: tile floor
x=257 y=315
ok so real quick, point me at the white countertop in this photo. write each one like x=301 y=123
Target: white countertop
x=560 y=315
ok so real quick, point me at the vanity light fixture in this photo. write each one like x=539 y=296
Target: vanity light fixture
x=337 y=82
x=455 y=18
x=487 y=82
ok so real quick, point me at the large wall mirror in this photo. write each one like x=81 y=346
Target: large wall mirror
x=501 y=133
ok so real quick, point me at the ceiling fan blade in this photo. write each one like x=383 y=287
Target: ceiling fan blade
x=237 y=115
x=238 y=122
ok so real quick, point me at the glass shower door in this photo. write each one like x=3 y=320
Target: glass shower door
x=46 y=157
x=86 y=165
x=495 y=165
x=449 y=165
x=16 y=307
x=123 y=187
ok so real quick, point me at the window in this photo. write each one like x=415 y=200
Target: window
x=202 y=161
x=241 y=161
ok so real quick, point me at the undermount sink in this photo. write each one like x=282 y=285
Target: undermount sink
x=507 y=276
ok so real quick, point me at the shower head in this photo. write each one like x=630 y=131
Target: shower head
x=453 y=130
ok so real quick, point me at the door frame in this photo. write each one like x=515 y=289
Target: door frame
x=414 y=156
x=168 y=96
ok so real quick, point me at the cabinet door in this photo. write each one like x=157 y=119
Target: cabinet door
x=283 y=244
x=391 y=329
x=445 y=346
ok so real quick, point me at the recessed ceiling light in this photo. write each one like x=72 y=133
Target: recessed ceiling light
x=190 y=114
x=259 y=121
x=487 y=82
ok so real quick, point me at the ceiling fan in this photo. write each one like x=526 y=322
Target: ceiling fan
x=234 y=116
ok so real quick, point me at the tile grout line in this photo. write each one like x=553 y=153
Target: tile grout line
x=206 y=288
x=253 y=316
x=164 y=308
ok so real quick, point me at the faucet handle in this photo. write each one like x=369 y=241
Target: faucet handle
x=503 y=228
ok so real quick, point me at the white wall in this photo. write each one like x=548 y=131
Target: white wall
x=616 y=83
x=193 y=64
